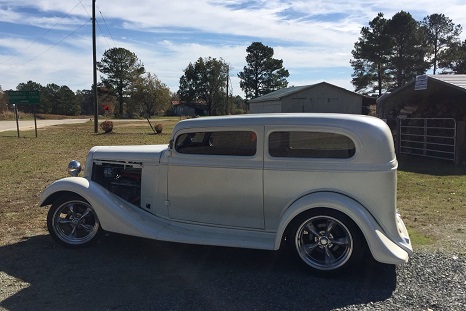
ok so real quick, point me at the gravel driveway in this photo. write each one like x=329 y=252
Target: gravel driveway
x=126 y=273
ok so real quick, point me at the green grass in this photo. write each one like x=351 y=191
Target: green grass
x=431 y=193
x=419 y=239
x=432 y=200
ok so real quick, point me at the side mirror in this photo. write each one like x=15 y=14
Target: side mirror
x=170 y=144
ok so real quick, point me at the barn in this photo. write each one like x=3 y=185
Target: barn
x=427 y=116
x=320 y=97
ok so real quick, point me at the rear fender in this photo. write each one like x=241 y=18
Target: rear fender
x=382 y=248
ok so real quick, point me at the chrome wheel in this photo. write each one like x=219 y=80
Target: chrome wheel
x=325 y=242
x=73 y=222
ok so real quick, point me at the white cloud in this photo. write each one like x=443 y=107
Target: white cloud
x=314 y=38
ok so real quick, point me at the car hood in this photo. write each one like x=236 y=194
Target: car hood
x=143 y=154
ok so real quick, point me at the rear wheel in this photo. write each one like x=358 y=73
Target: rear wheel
x=326 y=241
x=73 y=222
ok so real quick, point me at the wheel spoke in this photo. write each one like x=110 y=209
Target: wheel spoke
x=88 y=228
x=87 y=212
x=341 y=241
x=308 y=248
x=73 y=232
x=330 y=225
x=329 y=258
x=312 y=229
x=71 y=210
x=64 y=221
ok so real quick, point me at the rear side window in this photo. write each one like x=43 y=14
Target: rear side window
x=297 y=144
x=237 y=143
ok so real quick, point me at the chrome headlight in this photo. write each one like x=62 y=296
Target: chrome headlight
x=74 y=168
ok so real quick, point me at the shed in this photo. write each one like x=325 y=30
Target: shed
x=427 y=96
x=182 y=108
x=320 y=97
x=427 y=116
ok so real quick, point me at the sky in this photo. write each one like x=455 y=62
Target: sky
x=50 y=41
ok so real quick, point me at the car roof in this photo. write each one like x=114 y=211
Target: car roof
x=327 y=119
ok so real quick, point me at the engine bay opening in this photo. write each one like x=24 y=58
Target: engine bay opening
x=121 y=179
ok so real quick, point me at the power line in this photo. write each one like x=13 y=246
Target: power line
x=106 y=26
x=46 y=32
x=66 y=37
x=55 y=44
x=105 y=38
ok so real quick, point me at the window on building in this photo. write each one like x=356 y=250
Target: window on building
x=297 y=144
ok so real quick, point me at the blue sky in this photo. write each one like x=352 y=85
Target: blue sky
x=50 y=41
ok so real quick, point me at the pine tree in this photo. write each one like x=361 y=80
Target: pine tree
x=263 y=73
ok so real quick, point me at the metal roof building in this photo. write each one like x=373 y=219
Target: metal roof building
x=320 y=97
x=427 y=116
x=427 y=96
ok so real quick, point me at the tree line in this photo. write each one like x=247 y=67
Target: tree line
x=126 y=90
x=391 y=52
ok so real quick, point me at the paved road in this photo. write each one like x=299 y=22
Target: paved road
x=29 y=124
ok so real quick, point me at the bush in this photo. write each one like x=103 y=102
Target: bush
x=7 y=115
x=158 y=128
x=106 y=126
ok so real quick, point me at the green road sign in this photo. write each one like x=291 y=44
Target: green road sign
x=24 y=97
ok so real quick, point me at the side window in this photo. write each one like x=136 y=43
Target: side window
x=296 y=144
x=237 y=143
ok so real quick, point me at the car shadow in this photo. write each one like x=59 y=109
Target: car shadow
x=429 y=166
x=127 y=273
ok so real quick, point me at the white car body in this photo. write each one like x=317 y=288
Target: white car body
x=247 y=200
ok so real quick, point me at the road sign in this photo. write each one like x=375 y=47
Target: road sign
x=16 y=98
x=24 y=97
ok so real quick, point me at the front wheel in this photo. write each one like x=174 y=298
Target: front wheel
x=326 y=241
x=73 y=222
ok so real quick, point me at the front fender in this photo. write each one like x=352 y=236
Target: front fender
x=114 y=213
x=382 y=248
x=76 y=185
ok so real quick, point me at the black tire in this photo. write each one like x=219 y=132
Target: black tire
x=326 y=241
x=72 y=222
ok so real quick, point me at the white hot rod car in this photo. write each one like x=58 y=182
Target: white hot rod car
x=323 y=184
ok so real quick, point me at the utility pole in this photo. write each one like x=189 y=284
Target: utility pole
x=227 y=109
x=94 y=66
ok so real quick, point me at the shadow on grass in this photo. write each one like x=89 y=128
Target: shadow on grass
x=429 y=166
x=126 y=273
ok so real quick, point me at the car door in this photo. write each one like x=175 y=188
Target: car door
x=215 y=177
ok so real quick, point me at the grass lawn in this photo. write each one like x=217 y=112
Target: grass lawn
x=432 y=201
x=431 y=193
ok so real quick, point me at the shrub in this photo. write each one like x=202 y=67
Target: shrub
x=158 y=128
x=106 y=126
x=7 y=115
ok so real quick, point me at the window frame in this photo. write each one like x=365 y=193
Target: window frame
x=205 y=145
x=285 y=150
